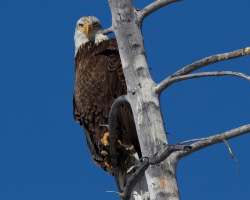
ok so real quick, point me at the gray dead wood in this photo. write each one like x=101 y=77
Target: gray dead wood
x=108 y=30
x=218 y=138
x=171 y=80
x=142 y=97
x=202 y=63
x=154 y=178
x=154 y=7
x=156 y=159
x=211 y=60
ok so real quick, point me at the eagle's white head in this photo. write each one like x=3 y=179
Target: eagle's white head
x=88 y=28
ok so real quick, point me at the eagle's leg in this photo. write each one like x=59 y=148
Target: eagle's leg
x=105 y=148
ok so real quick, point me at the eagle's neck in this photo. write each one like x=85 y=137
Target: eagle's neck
x=81 y=39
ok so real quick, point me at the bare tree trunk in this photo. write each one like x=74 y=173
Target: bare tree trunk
x=144 y=100
x=155 y=175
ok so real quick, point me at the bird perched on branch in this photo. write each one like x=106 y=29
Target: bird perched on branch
x=99 y=80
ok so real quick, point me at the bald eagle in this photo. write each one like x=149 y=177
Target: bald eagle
x=99 y=80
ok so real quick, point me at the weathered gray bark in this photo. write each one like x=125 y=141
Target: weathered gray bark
x=143 y=98
x=154 y=180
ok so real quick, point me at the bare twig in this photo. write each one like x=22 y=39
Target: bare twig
x=170 y=135
x=108 y=30
x=193 y=140
x=229 y=148
x=170 y=80
x=232 y=154
x=115 y=192
x=218 y=138
x=154 y=7
x=211 y=60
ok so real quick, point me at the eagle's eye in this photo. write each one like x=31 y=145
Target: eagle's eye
x=95 y=24
x=80 y=25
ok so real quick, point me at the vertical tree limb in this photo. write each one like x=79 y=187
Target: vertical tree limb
x=143 y=98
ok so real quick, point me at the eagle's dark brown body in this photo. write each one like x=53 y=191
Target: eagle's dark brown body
x=99 y=80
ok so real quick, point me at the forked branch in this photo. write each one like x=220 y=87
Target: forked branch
x=170 y=80
x=145 y=164
x=209 y=141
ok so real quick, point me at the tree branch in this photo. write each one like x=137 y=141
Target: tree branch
x=170 y=80
x=112 y=127
x=218 y=138
x=145 y=164
x=154 y=7
x=108 y=30
x=193 y=140
x=211 y=60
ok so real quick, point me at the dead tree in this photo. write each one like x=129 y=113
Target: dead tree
x=154 y=176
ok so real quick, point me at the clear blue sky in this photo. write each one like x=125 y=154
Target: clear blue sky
x=43 y=152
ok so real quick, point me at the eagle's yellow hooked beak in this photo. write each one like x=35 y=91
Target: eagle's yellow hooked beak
x=86 y=28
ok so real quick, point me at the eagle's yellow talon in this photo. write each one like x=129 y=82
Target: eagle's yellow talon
x=105 y=139
x=105 y=142
x=119 y=144
x=104 y=152
x=108 y=162
x=107 y=159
